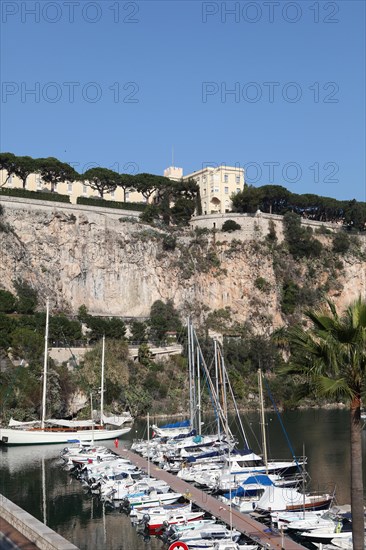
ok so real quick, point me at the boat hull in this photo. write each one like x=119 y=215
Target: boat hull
x=10 y=436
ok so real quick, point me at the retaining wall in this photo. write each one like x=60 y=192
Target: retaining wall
x=253 y=225
x=19 y=203
x=34 y=530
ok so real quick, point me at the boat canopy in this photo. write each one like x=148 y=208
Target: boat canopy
x=184 y=436
x=13 y=423
x=184 y=424
x=203 y=455
x=113 y=420
x=117 y=420
x=250 y=484
x=279 y=498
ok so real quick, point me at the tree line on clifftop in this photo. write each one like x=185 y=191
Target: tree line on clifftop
x=176 y=201
x=275 y=199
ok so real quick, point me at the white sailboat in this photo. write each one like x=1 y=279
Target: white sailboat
x=52 y=431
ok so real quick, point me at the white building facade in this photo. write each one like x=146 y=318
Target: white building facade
x=217 y=185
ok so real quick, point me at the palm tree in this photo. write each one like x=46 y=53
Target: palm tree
x=332 y=356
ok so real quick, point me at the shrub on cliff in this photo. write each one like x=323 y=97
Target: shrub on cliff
x=27 y=297
x=301 y=243
x=7 y=302
x=341 y=243
x=230 y=225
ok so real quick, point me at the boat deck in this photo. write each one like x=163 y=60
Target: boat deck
x=256 y=531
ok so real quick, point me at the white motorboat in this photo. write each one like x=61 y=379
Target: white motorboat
x=325 y=535
x=216 y=531
x=311 y=524
x=282 y=519
x=288 y=499
x=142 y=514
x=157 y=522
x=154 y=499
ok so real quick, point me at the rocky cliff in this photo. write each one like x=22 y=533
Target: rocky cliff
x=120 y=267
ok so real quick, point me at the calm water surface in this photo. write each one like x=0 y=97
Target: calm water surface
x=32 y=477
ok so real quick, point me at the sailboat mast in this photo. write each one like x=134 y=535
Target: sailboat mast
x=102 y=383
x=263 y=424
x=217 y=389
x=199 y=393
x=45 y=362
x=148 y=444
x=191 y=375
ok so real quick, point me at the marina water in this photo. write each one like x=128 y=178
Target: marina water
x=32 y=476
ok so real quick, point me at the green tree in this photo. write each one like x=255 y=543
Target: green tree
x=23 y=167
x=126 y=182
x=27 y=297
x=147 y=184
x=138 y=332
x=64 y=329
x=248 y=200
x=7 y=162
x=7 y=325
x=150 y=214
x=300 y=242
x=271 y=236
x=116 y=370
x=27 y=344
x=182 y=211
x=332 y=357
x=341 y=242
x=290 y=297
x=53 y=171
x=7 y=302
x=163 y=318
x=102 y=180
x=274 y=199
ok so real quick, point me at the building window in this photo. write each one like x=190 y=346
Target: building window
x=85 y=189
x=226 y=190
x=226 y=178
x=39 y=182
x=10 y=180
x=238 y=189
x=112 y=194
x=127 y=196
x=217 y=190
x=69 y=187
x=237 y=179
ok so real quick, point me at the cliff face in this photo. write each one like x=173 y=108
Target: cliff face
x=120 y=268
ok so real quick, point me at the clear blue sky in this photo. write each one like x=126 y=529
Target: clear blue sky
x=171 y=64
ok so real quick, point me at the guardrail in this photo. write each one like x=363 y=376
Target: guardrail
x=31 y=528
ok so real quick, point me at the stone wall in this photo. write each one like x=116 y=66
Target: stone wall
x=35 y=531
x=253 y=226
x=93 y=212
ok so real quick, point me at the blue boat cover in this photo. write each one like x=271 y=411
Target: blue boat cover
x=203 y=455
x=184 y=424
x=184 y=436
x=241 y=491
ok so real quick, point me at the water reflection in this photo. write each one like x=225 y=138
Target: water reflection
x=33 y=479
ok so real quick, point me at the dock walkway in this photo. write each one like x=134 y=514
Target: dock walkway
x=242 y=522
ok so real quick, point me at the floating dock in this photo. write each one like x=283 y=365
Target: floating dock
x=257 y=532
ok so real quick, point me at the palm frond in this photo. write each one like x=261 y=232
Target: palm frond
x=332 y=387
